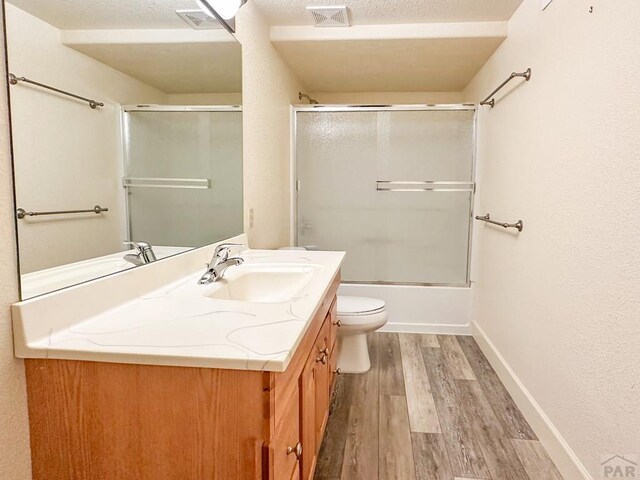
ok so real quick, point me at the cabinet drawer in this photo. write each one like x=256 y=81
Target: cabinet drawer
x=286 y=442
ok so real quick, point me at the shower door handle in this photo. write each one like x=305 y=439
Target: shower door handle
x=423 y=186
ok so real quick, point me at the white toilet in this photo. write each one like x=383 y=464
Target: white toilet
x=357 y=316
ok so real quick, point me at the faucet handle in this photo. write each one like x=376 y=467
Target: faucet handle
x=138 y=245
x=144 y=249
x=222 y=250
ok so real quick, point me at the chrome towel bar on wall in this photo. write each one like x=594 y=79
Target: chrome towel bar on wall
x=487 y=218
x=13 y=80
x=492 y=101
x=21 y=212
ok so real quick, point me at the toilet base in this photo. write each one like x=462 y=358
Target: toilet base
x=353 y=353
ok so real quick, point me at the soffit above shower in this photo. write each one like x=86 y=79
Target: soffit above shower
x=441 y=57
x=391 y=45
x=181 y=66
x=145 y=39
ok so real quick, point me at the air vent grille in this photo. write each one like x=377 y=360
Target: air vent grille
x=198 y=20
x=330 y=16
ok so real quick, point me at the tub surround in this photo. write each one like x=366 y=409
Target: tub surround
x=448 y=308
x=159 y=315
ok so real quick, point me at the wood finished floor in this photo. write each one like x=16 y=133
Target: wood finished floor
x=431 y=407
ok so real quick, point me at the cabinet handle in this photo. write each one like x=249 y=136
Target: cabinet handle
x=297 y=450
x=337 y=323
x=324 y=351
x=322 y=358
x=338 y=371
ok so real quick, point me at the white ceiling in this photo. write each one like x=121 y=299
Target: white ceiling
x=381 y=12
x=107 y=14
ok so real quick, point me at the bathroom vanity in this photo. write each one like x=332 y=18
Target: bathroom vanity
x=226 y=381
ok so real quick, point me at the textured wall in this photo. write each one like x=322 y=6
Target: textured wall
x=204 y=98
x=268 y=91
x=561 y=301
x=15 y=463
x=75 y=162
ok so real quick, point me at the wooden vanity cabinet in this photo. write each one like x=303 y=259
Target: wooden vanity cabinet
x=110 y=421
x=309 y=374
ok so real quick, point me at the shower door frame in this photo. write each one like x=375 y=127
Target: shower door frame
x=124 y=109
x=294 y=185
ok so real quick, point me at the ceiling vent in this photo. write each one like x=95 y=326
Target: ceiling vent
x=198 y=20
x=330 y=16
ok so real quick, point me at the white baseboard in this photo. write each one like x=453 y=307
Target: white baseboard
x=432 y=328
x=565 y=459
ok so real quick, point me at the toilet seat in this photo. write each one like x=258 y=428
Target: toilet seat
x=359 y=306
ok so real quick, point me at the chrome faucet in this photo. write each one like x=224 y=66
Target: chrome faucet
x=145 y=254
x=219 y=263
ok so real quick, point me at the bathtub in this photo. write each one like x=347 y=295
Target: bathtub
x=420 y=309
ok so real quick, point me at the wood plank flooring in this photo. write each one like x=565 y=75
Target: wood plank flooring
x=430 y=408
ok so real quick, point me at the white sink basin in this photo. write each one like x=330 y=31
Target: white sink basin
x=262 y=283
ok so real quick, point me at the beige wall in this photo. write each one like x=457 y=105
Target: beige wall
x=386 y=98
x=204 y=99
x=561 y=301
x=268 y=91
x=67 y=155
x=15 y=463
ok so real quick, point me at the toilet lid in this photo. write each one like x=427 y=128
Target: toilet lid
x=348 y=305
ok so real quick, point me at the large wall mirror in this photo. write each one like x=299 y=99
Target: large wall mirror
x=127 y=127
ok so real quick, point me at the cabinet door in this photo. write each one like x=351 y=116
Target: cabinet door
x=333 y=369
x=322 y=379
x=333 y=324
x=296 y=474
x=308 y=416
x=314 y=400
x=333 y=337
x=287 y=440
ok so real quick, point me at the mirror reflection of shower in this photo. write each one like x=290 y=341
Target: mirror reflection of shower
x=183 y=169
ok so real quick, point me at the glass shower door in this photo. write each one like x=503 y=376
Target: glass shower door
x=182 y=172
x=393 y=188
